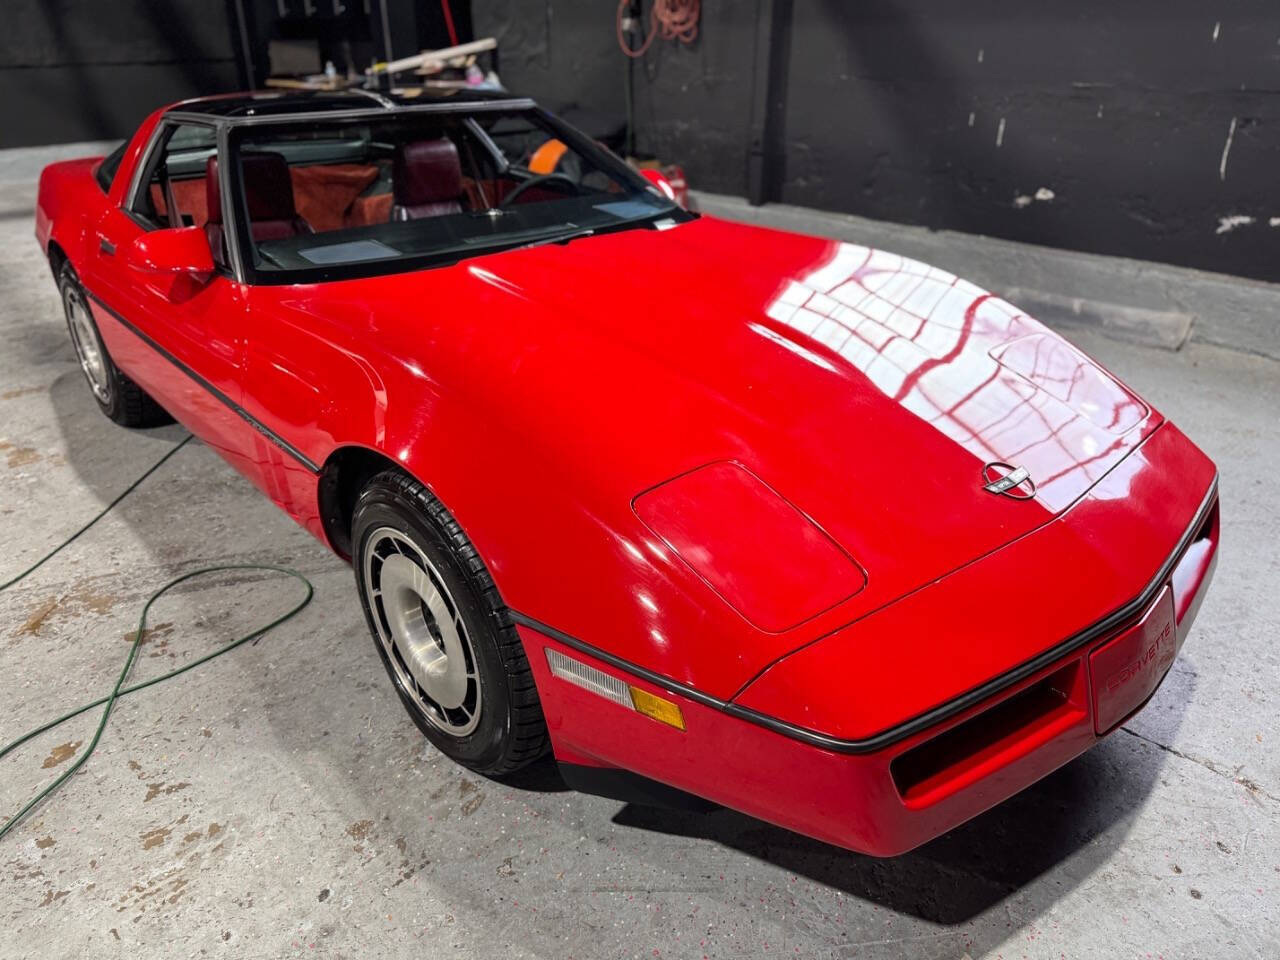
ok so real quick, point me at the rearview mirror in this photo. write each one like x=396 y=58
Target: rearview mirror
x=174 y=250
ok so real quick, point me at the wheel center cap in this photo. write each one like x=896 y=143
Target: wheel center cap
x=424 y=631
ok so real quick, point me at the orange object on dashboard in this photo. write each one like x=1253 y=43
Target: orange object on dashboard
x=546 y=157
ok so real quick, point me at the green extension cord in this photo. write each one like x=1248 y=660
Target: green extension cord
x=120 y=690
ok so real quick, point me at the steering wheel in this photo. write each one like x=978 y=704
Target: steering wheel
x=534 y=181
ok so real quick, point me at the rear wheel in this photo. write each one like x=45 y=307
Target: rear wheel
x=444 y=635
x=117 y=396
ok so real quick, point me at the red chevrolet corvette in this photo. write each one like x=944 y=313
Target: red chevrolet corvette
x=802 y=528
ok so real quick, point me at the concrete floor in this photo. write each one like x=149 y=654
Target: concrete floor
x=278 y=802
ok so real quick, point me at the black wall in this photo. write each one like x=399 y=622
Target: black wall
x=91 y=69
x=956 y=115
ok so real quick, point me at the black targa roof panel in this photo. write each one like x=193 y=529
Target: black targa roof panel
x=260 y=103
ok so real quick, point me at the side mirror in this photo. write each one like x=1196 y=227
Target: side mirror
x=661 y=182
x=174 y=250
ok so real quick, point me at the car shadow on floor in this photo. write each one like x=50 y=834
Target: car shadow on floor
x=93 y=441
x=1079 y=813
x=543 y=776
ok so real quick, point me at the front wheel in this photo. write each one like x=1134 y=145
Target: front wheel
x=444 y=635
x=122 y=400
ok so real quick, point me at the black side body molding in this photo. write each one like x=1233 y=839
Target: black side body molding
x=240 y=411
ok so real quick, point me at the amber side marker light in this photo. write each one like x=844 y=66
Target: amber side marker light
x=613 y=688
x=664 y=711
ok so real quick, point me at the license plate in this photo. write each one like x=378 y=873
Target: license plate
x=1127 y=670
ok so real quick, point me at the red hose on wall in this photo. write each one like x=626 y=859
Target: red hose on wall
x=448 y=22
x=675 y=19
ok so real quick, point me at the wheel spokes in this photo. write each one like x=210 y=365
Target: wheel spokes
x=422 y=631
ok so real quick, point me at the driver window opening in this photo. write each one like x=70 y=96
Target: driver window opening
x=174 y=192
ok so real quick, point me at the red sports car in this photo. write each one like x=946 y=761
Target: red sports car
x=802 y=528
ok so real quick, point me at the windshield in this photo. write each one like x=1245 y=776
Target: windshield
x=329 y=199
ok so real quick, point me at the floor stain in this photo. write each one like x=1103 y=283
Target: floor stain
x=472 y=803
x=177 y=868
x=20 y=456
x=52 y=897
x=136 y=767
x=44 y=843
x=38 y=617
x=359 y=831
x=95 y=602
x=154 y=838
x=20 y=392
x=156 y=639
x=156 y=892
x=163 y=790
x=408 y=870
x=61 y=753
x=176 y=893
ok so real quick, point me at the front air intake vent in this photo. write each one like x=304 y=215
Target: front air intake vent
x=1014 y=726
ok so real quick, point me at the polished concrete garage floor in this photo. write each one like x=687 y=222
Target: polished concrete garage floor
x=279 y=802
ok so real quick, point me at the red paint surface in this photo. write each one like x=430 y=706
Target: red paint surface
x=1126 y=671
x=756 y=551
x=179 y=250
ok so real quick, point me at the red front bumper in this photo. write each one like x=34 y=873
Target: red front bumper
x=887 y=801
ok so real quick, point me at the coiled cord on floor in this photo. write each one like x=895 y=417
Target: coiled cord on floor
x=119 y=690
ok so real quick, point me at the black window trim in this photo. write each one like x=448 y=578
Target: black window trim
x=112 y=160
x=144 y=169
x=235 y=211
x=142 y=176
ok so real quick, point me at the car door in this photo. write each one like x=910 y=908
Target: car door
x=180 y=337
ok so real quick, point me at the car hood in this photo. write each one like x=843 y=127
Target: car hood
x=867 y=390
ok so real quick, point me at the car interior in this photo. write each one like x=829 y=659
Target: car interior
x=324 y=179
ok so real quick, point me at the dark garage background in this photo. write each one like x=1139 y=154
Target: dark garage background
x=91 y=69
x=1145 y=129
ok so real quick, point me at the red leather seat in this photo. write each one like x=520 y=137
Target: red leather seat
x=269 y=191
x=426 y=178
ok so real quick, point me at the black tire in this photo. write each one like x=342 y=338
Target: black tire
x=509 y=730
x=117 y=396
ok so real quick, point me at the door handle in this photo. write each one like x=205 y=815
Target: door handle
x=106 y=246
